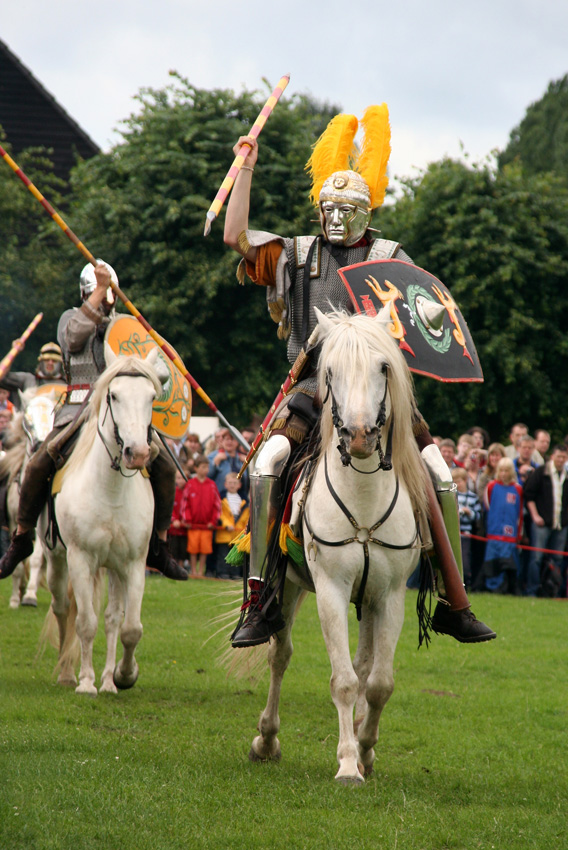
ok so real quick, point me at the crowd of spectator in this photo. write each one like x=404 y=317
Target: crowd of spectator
x=513 y=507
x=211 y=505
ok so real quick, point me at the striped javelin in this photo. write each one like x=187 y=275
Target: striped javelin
x=239 y=160
x=46 y=205
x=168 y=351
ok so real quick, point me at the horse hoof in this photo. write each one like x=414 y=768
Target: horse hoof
x=67 y=681
x=29 y=601
x=123 y=683
x=254 y=757
x=350 y=780
x=14 y=603
x=108 y=688
x=89 y=690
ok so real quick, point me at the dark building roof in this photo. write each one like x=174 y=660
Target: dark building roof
x=31 y=117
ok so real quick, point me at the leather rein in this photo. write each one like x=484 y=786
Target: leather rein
x=116 y=461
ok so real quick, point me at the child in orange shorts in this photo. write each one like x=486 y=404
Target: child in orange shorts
x=200 y=511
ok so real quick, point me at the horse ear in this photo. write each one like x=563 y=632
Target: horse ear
x=325 y=324
x=110 y=356
x=384 y=316
x=158 y=364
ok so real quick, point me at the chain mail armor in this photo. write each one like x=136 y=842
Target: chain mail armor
x=83 y=367
x=327 y=290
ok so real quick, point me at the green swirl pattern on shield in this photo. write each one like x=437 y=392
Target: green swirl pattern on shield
x=172 y=408
x=440 y=344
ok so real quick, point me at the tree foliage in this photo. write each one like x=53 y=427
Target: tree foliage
x=142 y=207
x=540 y=141
x=499 y=241
x=497 y=238
x=31 y=275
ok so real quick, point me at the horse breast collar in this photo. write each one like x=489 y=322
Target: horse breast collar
x=362 y=535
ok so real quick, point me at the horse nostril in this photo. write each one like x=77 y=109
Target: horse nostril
x=128 y=453
x=372 y=432
x=347 y=433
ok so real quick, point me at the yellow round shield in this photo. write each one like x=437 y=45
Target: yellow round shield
x=58 y=388
x=172 y=409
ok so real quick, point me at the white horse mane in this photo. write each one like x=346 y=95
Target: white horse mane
x=15 y=446
x=347 y=350
x=89 y=431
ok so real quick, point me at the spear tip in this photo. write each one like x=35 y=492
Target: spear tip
x=208 y=221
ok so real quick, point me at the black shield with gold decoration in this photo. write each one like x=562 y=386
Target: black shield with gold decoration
x=422 y=316
x=172 y=409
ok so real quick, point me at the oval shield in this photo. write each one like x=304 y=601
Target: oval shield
x=57 y=388
x=424 y=318
x=172 y=409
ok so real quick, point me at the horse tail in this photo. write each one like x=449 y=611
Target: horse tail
x=250 y=662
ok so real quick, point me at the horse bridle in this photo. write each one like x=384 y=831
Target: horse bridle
x=115 y=461
x=385 y=462
x=362 y=535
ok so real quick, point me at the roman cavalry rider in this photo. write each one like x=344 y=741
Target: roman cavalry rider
x=300 y=274
x=81 y=333
x=49 y=370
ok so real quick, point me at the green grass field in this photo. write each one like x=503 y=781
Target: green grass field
x=472 y=753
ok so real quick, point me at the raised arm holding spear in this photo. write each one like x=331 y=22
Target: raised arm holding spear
x=240 y=158
x=168 y=351
x=18 y=345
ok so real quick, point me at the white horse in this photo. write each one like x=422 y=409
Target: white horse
x=104 y=515
x=360 y=530
x=28 y=429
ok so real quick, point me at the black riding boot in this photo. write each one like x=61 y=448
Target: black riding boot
x=160 y=559
x=20 y=548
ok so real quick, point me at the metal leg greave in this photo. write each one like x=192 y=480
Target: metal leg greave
x=264 y=495
x=445 y=528
x=449 y=507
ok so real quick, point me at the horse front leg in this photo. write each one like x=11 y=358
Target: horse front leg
x=387 y=625
x=126 y=671
x=81 y=572
x=18 y=584
x=363 y=663
x=266 y=746
x=36 y=564
x=114 y=615
x=333 y=603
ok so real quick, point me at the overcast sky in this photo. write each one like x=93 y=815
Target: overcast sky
x=452 y=73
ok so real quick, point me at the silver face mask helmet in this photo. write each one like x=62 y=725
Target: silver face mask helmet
x=345 y=207
x=88 y=281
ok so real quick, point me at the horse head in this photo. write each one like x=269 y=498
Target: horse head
x=39 y=413
x=126 y=406
x=354 y=368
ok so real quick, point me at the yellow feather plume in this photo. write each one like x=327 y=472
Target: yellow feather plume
x=332 y=151
x=375 y=152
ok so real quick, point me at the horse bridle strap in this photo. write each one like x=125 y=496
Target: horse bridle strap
x=115 y=461
x=385 y=461
x=367 y=534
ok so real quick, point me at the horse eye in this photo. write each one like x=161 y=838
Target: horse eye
x=384 y=368
x=113 y=396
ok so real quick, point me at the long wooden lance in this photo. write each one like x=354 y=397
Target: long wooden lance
x=239 y=160
x=18 y=345
x=292 y=379
x=169 y=352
